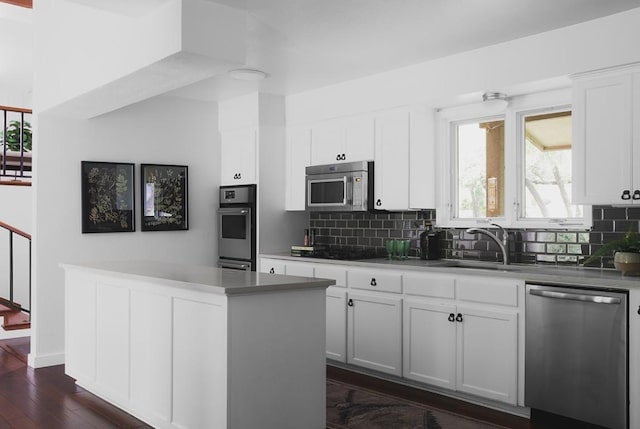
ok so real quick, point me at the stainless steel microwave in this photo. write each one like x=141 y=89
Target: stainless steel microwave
x=343 y=187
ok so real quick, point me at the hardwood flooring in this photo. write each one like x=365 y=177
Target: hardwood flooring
x=47 y=398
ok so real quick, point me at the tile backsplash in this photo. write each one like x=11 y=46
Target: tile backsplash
x=561 y=247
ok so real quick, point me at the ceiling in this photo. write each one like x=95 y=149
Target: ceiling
x=306 y=44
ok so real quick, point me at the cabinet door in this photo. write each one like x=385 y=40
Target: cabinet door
x=422 y=159
x=602 y=140
x=392 y=161
x=343 y=140
x=374 y=338
x=300 y=269
x=238 y=157
x=327 y=142
x=272 y=266
x=429 y=342
x=359 y=139
x=487 y=353
x=298 y=158
x=336 y=324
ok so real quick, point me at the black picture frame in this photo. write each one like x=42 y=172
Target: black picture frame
x=165 y=197
x=108 y=197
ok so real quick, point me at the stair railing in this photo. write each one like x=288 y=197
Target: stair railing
x=15 y=143
x=15 y=231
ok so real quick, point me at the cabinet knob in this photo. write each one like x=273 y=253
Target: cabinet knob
x=344 y=157
x=350 y=303
x=373 y=282
x=636 y=194
x=638 y=309
x=459 y=317
x=338 y=157
x=452 y=317
x=626 y=195
x=379 y=203
x=272 y=271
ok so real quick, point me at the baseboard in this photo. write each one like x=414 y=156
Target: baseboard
x=18 y=333
x=41 y=361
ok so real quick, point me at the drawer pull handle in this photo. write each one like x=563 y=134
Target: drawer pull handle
x=272 y=271
x=350 y=303
x=636 y=195
x=452 y=317
x=626 y=195
x=459 y=317
x=373 y=282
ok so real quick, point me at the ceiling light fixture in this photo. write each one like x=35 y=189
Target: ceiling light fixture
x=495 y=100
x=247 y=74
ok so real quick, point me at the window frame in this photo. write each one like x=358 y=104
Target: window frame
x=514 y=155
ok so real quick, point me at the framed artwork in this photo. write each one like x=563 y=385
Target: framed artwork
x=107 y=197
x=164 y=197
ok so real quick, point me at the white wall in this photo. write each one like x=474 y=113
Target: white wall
x=546 y=58
x=162 y=130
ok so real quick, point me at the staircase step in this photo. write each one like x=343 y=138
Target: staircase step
x=16 y=320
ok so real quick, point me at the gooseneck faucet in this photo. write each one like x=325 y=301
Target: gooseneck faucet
x=503 y=245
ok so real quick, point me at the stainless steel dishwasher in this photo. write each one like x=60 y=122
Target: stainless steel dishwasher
x=576 y=353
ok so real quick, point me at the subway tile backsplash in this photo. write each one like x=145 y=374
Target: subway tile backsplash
x=558 y=247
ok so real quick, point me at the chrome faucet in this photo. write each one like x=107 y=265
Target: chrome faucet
x=504 y=244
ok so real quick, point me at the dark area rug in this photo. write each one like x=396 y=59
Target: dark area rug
x=353 y=407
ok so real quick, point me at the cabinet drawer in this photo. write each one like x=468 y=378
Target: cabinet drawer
x=489 y=291
x=432 y=285
x=333 y=273
x=375 y=280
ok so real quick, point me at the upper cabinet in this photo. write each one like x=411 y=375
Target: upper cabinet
x=404 y=160
x=342 y=140
x=399 y=141
x=298 y=158
x=606 y=137
x=238 y=154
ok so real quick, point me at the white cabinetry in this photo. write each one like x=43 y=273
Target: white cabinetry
x=375 y=332
x=298 y=158
x=391 y=184
x=469 y=343
x=342 y=140
x=238 y=156
x=374 y=325
x=606 y=137
x=404 y=159
x=336 y=311
x=272 y=266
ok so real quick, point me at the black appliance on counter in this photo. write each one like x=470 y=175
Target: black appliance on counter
x=237 y=230
x=429 y=245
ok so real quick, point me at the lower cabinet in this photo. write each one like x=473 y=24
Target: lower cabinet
x=336 y=347
x=487 y=353
x=374 y=335
x=430 y=343
x=461 y=333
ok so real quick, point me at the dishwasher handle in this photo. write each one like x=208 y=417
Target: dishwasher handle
x=597 y=299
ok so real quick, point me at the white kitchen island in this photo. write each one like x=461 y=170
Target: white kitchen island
x=183 y=346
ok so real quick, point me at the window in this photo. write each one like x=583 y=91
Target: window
x=480 y=169
x=512 y=168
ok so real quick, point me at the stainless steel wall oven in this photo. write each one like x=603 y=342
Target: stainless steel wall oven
x=237 y=227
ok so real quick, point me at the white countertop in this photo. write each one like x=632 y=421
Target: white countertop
x=575 y=276
x=208 y=278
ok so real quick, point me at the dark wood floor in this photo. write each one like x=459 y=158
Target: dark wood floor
x=47 y=398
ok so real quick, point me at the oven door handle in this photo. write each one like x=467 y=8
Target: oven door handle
x=575 y=296
x=234 y=265
x=233 y=211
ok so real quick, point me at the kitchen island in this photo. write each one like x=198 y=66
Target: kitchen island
x=182 y=346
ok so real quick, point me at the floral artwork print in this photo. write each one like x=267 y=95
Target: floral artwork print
x=107 y=197
x=164 y=197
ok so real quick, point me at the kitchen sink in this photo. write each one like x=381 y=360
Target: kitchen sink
x=490 y=266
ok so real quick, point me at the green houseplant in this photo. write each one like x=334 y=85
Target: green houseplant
x=625 y=250
x=11 y=137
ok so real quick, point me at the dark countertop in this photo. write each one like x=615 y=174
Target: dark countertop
x=574 y=276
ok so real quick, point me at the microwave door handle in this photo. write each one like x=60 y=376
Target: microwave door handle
x=349 y=190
